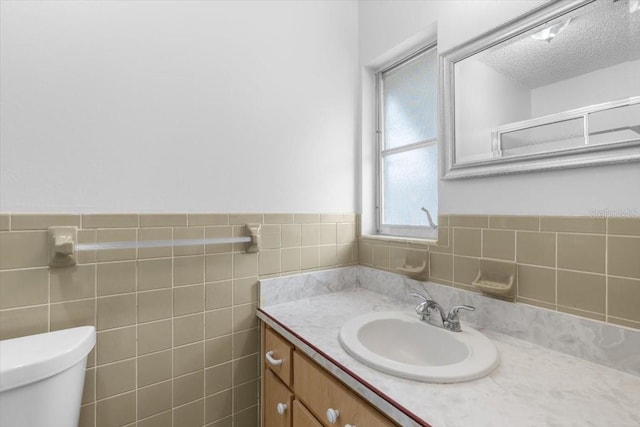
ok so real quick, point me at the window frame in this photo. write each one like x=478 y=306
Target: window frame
x=406 y=231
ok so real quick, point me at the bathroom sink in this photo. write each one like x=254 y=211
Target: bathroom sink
x=401 y=344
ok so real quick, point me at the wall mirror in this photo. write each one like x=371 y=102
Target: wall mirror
x=557 y=87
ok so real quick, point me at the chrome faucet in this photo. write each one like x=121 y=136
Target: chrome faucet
x=450 y=322
x=426 y=306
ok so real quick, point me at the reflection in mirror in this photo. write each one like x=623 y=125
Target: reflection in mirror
x=570 y=84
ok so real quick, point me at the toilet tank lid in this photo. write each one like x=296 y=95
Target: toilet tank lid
x=32 y=358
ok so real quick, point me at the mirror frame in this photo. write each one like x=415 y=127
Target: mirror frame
x=617 y=153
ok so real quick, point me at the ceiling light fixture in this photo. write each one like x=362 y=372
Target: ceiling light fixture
x=547 y=34
x=634 y=6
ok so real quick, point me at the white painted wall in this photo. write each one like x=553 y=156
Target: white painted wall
x=234 y=106
x=179 y=106
x=604 y=85
x=385 y=25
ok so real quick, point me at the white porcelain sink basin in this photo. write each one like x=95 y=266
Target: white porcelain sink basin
x=401 y=344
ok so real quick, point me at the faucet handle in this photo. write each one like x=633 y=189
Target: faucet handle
x=417 y=295
x=422 y=309
x=453 y=313
x=453 y=322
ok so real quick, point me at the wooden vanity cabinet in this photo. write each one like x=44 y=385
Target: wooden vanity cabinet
x=302 y=417
x=277 y=355
x=322 y=392
x=278 y=402
x=313 y=397
x=277 y=359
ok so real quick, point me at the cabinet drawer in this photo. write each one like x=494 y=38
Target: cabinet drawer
x=277 y=402
x=319 y=391
x=277 y=355
x=302 y=417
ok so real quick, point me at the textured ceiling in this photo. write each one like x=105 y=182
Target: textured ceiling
x=602 y=34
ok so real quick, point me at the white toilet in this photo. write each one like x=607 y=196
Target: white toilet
x=42 y=376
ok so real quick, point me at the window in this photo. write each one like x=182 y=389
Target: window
x=407 y=129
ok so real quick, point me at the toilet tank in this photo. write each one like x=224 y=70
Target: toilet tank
x=42 y=377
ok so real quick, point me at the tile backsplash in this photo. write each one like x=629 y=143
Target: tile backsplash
x=585 y=266
x=177 y=341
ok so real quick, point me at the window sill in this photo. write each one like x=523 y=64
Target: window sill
x=400 y=239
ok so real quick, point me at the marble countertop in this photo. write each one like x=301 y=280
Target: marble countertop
x=532 y=386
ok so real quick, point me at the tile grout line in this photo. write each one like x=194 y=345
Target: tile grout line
x=556 y=272
x=233 y=337
x=515 y=260
x=173 y=272
x=95 y=314
x=606 y=270
x=136 y=353
x=453 y=258
x=49 y=300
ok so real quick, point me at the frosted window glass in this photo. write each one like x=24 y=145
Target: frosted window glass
x=410 y=101
x=411 y=182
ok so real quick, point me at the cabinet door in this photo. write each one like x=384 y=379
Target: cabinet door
x=330 y=401
x=277 y=355
x=277 y=402
x=302 y=417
